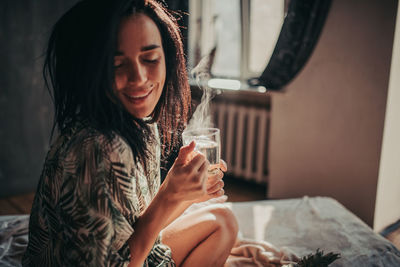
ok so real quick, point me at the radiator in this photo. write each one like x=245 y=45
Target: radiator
x=244 y=139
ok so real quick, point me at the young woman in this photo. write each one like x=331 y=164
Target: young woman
x=118 y=79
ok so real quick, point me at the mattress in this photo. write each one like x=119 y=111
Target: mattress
x=299 y=226
x=306 y=224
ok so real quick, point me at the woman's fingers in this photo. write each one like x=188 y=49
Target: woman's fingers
x=196 y=171
x=222 y=165
x=198 y=163
x=184 y=153
x=214 y=178
x=216 y=187
x=219 y=193
x=192 y=175
x=187 y=177
x=185 y=156
x=203 y=167
x=218 y=199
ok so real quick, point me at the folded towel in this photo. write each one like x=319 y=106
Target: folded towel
x=249 y=253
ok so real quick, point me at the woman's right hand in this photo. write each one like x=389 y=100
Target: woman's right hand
x=186 y=180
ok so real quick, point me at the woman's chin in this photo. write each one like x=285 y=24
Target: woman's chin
x=140 y=114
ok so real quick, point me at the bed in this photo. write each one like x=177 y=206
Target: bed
x=294 y=226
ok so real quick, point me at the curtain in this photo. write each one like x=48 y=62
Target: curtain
x=300 y=31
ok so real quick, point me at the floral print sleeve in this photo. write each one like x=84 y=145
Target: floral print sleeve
x=89 y=196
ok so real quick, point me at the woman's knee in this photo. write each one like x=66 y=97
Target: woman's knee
x=226 y=220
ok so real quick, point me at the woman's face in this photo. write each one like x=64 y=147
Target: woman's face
x=139 y=65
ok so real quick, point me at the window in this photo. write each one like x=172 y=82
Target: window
x=244 y=33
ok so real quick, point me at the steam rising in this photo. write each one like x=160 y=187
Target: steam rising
x=202 y=73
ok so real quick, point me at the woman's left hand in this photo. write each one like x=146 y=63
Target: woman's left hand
x=214 y=183
x=215 y=190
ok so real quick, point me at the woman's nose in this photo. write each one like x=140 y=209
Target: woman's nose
x=138 y=74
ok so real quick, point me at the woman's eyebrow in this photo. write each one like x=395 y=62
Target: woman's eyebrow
x=149 y=47
x=143 y=49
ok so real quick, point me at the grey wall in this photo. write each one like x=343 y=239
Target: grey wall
x=25 y=105
x=326 y=129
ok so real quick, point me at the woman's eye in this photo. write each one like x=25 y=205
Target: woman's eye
x=155 y=60
x=118 y=65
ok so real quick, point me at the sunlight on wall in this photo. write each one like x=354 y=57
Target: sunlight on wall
x=388 y=192
x=262 y=215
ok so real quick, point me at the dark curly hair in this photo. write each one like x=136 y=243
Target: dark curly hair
x=79 y=73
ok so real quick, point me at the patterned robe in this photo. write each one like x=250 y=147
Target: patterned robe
x=89 y=196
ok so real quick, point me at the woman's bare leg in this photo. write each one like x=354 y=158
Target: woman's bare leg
x=203 y=237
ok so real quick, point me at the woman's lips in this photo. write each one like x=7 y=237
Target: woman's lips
x=137 y=98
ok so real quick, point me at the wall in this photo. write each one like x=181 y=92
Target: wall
x=387 y=209
x=326 y=128
x=25 y=105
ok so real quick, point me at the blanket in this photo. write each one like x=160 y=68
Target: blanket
x=293 y=228
x=246 y=252
x=253 y=253
x=13 y=239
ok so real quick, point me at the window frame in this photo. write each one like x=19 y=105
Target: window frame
x=197 y=10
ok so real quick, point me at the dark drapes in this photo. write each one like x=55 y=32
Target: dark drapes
x=300 y=32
